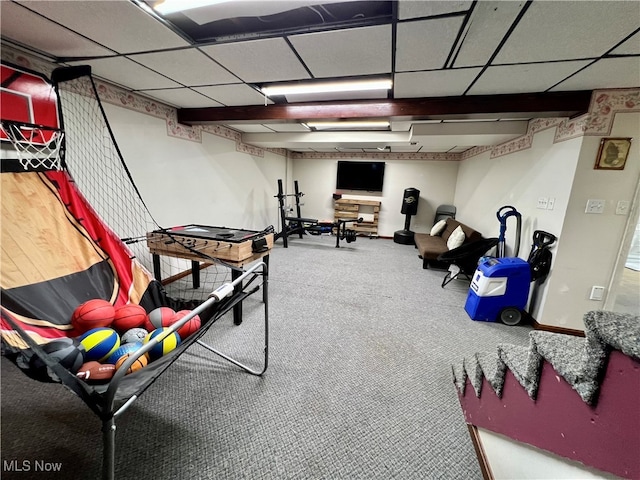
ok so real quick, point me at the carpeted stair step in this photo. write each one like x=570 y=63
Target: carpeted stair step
x=474 y=372
x=570 y=359
x=494 y=370
x=524 y=363
x=621 y=331
x=459 y=377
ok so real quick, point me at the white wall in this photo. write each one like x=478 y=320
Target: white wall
x=590 y=246
x=436 y=181
x=509 y=459
x=184 y=182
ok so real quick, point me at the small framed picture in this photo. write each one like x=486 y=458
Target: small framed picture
x=612 y=154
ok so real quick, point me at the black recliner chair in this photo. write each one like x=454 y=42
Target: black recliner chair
x=465 y=258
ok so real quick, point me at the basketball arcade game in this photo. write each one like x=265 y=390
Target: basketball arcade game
x=58 y=251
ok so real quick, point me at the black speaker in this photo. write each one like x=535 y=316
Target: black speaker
x=410 y=201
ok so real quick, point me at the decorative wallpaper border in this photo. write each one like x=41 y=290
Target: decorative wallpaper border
x=597 y=121
x=434 y=156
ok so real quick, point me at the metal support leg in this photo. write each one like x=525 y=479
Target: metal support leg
x=108 y=449
x=266 y=335
x=157 y=273
x=195 y=273
x=241 y=365
x=237 y=308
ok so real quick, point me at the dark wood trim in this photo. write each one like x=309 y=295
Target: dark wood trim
x=554 y=329
x=516 y=105
x=178 y=276
x=483 y=462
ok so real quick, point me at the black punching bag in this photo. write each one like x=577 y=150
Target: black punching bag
x=409 y=208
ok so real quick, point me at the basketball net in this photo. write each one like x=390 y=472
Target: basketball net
x=36 y=146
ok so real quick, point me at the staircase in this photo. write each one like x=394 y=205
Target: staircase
x=576 y=397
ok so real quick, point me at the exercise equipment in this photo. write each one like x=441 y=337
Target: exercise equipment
x=409 y=208
x=289 y=226
x=503 y=214
x=300 y=225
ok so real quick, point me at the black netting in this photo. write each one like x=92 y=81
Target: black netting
x=94 y=161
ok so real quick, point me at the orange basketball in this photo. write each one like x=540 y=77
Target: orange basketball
x=188 y=328
x=129 y=316
x=91 y=314
x=135 y=366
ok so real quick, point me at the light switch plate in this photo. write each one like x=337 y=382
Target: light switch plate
x=622 y=208
x=594 y=206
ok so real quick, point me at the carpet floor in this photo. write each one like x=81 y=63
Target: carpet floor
x=359 y=384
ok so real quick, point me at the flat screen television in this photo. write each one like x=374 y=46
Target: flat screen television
x=365 y=176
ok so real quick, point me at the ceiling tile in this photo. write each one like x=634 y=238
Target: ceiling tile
x=405 y=149
x=356 y=51
x=233 y=95
x=535 y=77
x=425 y=44
x=181 y=97
x=488 y=25
x=542 y=35
x=28 y=28
x=413 y=9
x=137 y=31
x=606 y=73
x=250 y=128
x=288 y=127
x=269 y=60
x=437 y=83
x=630 y=47
x=127 y=73
x=190 y=67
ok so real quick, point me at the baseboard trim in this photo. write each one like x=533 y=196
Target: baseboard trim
x=480 y=453
x=554 y=329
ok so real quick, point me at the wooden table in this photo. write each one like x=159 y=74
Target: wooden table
x=234 y=247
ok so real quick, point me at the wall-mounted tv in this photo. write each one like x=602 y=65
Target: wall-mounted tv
x=365 y=176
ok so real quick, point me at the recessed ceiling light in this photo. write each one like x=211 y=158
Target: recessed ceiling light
x=326 y=87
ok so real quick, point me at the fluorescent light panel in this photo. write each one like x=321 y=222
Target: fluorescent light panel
x=326 y=87
x=348 y=125
x=171 y=6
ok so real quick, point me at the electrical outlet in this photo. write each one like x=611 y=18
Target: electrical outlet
x=551 y=203
x=622 y=208
x=597 y=293
x=542 y=202
x=594 y=206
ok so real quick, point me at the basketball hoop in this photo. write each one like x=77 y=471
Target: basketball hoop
x=36 y=146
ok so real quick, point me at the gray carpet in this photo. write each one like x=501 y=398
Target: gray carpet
x=359 y=384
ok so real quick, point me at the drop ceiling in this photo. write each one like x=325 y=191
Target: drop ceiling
x=465 y=73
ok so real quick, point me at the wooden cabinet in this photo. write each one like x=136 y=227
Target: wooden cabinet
x=352 y=209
